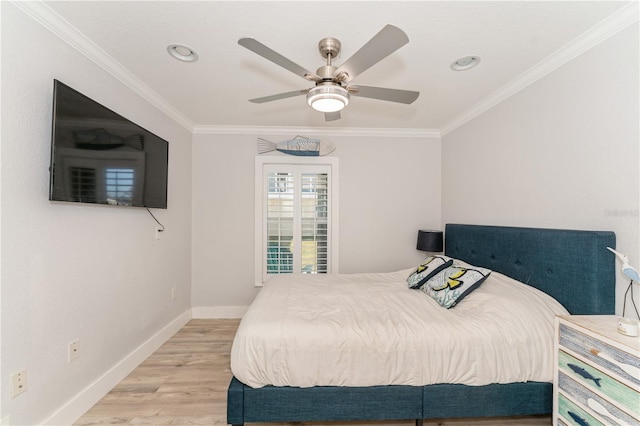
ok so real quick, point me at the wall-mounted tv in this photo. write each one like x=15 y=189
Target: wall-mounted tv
x=100 y=157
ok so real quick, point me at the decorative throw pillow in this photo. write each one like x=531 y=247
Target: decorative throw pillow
x=449 y=286
x=427 y=269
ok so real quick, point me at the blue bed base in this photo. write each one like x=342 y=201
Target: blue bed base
x=572 y=266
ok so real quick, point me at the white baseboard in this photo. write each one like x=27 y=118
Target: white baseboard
x=209 y=312
x=87 y=398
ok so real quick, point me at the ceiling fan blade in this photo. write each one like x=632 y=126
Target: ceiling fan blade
x=383 y=94
x=332 y=116
x=387 y=41
x=256 y=47
x=279 y=96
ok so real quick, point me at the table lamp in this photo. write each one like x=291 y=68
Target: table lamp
x=431 y=241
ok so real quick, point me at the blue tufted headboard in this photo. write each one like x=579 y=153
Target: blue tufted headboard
x=572 y=266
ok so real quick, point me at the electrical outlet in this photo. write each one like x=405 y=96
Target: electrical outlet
x=18 y=383
x=158 y=232
x=173 y=293
x=74 y=349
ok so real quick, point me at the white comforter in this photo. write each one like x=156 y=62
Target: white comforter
x=370 y=329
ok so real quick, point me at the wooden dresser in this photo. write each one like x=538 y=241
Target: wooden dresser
x=597 y=373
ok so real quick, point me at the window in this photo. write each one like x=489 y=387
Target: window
x=296 y=219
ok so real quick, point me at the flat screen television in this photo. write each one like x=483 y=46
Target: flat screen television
x=100 y=157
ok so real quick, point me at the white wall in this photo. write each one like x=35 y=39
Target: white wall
x=93 y=273
x=389 y=188
x=562 y=153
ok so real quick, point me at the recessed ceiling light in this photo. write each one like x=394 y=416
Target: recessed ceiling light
x=182 y=52
x=465 y=63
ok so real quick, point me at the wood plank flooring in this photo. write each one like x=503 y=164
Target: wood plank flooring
x=185 y=383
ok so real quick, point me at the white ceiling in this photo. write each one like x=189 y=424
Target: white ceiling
x=516 y=40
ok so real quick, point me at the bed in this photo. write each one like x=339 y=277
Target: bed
x=572 y=266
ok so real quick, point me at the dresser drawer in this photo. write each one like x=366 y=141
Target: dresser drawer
x=574 y=415
x=595 y=405
x=597 y=381
x=602 y=355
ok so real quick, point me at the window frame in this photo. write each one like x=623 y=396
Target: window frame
x=261 y=188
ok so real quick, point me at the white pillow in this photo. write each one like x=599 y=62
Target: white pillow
x=451 y=284
x=427 y=269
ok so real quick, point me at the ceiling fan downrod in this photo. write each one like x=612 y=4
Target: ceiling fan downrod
x=329 y=48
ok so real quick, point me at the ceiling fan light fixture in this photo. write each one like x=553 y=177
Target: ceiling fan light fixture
x=330 y=98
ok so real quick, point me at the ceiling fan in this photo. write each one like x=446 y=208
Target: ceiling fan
x=332 y=84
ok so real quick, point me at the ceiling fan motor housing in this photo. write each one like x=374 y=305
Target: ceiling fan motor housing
x=326 y=73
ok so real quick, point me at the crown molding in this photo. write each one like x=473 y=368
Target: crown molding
x=319 y=131
x=605 y=29
x=52 y=21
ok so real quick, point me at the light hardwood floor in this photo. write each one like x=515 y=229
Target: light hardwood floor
x=185 y=382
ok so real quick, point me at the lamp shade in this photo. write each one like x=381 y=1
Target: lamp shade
x=430 y=241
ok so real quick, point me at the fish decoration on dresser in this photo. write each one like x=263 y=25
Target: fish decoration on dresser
x=579 y=420
x=299 y=145
x=584 y=373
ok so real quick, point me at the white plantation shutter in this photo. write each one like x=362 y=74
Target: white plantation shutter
x=280 y=222
x=314 y=222
x=294 y=232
